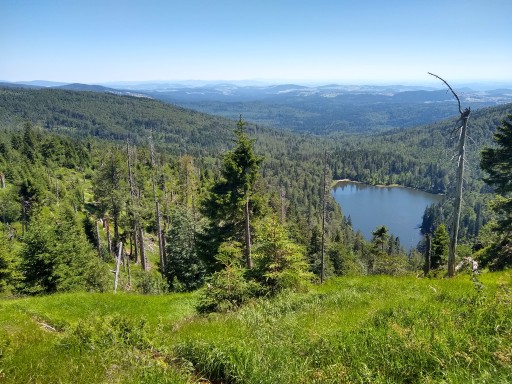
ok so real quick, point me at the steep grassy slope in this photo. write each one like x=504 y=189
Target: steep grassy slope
x=356 y=330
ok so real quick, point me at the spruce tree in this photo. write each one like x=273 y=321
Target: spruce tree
x=231 y=199
x=440 y=243
x=56 y=256
x=497 y=162
x=184 y=269
x=110 y=188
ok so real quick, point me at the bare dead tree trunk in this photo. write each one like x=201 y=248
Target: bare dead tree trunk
x=166 y=204
x=2 y=179
x=464 y=117
x=136 y=243
x=131 y=183
x=322 y=260
x=129 y=272
x=458 y=197
x=157 y=211
x=143 y=260
x=98 y=243
x=248 y=257
x=109 y=240
x=118 y=262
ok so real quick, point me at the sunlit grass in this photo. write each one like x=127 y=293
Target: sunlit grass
x=354 y=330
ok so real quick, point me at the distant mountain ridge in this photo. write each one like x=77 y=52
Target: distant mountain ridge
x=84 y=87
x=323 y=109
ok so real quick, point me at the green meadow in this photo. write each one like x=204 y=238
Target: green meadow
x=374 y=329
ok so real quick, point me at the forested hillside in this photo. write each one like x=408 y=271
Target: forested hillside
x=325 y=109
x=105 y=190
x=110 y=117
x=151 y=172
x=108 y=193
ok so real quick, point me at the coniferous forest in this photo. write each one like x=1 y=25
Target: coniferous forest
x=185 y=247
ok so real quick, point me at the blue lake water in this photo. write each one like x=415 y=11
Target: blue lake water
x=399 y=209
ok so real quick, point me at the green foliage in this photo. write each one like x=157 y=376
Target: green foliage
x=280 y=263
x=184 y=269
x=440 y=243
x=367 y=329
x=229 y=195
x=7 y=258
x=150 y=283
x=91 y=338
x=380 y=237
x=385 y=256
x=106 y=333
x=497 y=162
x=45 y=168
x=227 y=290
x=372 y=329
x=314 y=252
x=344 y=260
x=55 y=256
x=110 y=187
x=392 y=265
x=10 y=207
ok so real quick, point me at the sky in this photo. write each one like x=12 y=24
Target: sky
x=323 y=41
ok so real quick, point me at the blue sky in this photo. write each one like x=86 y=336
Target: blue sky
x=359 y=41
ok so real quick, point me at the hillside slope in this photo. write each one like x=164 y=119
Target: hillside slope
x=354 y=330
x=113 y=117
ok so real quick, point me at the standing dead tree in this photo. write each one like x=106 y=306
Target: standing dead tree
x=464 y=117
x=160 y=237
x=324 y=193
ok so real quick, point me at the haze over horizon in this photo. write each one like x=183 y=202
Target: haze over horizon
x=367 y=42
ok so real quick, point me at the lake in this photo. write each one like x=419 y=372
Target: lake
x=399 y=209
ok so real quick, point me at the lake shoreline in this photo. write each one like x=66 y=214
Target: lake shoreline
x=336 y=182
x=400 y=209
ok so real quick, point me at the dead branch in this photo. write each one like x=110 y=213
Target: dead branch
x=450 y=88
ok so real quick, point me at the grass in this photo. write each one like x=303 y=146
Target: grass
x=354 y=330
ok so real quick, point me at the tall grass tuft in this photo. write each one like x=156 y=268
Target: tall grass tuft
x=350 y=330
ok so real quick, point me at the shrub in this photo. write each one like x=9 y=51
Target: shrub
x=226 y=290
x=150 y=283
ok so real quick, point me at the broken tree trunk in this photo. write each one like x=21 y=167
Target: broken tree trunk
x=119 y=252
x=157 y=211
x=464 y=117
x=98 y=241
x=143 y=260
x=458 y=197
x=322 y=261
x=106 y=225
x=133 y=195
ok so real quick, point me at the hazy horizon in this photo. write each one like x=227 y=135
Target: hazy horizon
x=192 y=83
x=364 y=42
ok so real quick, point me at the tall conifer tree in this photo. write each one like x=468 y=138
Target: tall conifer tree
x=229 y=204
x=497 y=162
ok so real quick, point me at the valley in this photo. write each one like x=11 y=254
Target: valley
x=83 y=170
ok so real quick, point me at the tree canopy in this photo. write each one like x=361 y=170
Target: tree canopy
x=497 y=162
